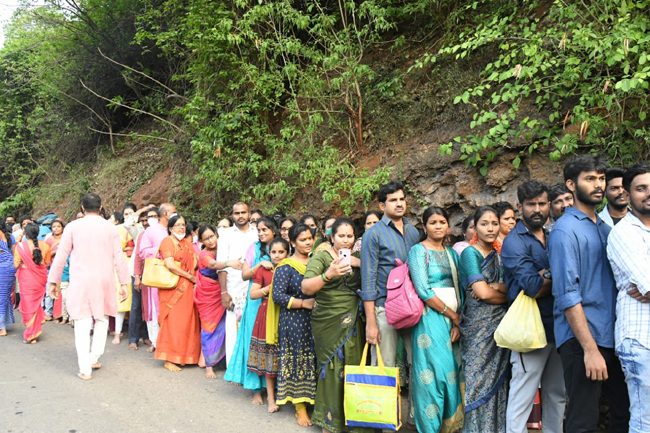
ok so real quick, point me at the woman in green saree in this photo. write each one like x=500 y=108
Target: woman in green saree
x=336 y=324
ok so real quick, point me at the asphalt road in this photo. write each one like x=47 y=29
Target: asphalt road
x=132 y=392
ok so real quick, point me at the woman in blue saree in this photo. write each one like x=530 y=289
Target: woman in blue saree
x=484 y=363
x=256 y=257
x=437 y=376
x=7 y=279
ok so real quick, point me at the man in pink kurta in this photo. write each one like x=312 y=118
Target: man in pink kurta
x=148 y=248
x=95 y=251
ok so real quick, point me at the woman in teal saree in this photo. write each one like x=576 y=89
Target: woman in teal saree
x=484 y=363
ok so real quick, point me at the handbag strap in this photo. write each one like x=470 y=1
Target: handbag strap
x=364 y=358
x=454 y=276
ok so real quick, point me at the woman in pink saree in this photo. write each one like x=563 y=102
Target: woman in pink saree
x=31 y=259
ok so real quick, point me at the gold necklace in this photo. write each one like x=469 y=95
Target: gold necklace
x=480 y=247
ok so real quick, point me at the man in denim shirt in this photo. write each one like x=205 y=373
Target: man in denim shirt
x=585 y=300
x=525 y=262
x=391 y=238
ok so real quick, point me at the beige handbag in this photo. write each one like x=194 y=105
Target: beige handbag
x=156 y=274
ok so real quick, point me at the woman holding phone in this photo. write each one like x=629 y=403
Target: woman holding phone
x=333 y=276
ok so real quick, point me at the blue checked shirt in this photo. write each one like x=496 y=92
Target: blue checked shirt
x=628 y=250
x=380 y=246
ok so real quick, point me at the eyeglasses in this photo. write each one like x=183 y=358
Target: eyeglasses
x=209 y=238
x=284 y=229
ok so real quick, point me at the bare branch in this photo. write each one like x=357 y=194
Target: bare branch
x=131 y=135
x=137 y=110
x=174 y=94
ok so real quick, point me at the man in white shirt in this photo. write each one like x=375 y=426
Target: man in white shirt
x=628 y=251
x=617 y=197
x=233 y=244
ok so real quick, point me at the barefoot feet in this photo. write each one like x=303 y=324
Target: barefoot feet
x=84 y=376
x=171 y=366
x=209 y=373
x=30 y=341
x=151 y=349
x=257 y=399
x=303 y=418
x=133 y=346
x=116 y=339
x=3 y=332
x=96 y=366
x=272 y=406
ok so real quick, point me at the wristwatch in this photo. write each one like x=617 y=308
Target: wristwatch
x=547 y=274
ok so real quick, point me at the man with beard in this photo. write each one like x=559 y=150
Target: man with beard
x=628 y=250
x=233 y=243
x=585 y=297
x=617 y=197
x=560 y=198
x=526 y=266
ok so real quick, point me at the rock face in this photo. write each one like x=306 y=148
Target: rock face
x=445 y=181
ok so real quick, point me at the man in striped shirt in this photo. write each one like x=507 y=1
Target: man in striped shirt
x=628 y=250
x=391 y=238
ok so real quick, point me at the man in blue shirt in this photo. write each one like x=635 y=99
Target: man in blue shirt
x=391 y=238
x=525 y=262
x=585 y=300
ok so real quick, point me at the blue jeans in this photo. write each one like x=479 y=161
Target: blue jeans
x=48 y=303
x=635 y=360
x=136 y=326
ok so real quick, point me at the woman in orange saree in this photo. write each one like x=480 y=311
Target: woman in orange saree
x=58 y=313
x=179 y=339
x=31 y=259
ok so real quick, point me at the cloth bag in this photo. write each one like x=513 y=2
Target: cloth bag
x=521 y=329
x=372 y=395
x=403 y=305
x=156 y=274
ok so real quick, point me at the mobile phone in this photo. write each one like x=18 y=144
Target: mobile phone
x=344 y=255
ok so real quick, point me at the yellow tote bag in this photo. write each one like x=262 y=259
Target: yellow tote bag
x=157 y=275
x=372 y=395
x=521 y=329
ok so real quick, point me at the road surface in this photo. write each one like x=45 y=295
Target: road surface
x=132 y=392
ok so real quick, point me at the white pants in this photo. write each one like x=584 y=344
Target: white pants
x=153 y=327
x=231 y=334
x=545 y=366
x=119 y=321
x=86 y=355
x=64 y=294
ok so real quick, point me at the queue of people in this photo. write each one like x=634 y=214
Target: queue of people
x=285 y=304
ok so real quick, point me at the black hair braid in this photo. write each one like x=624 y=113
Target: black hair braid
x=4 y=229
x=31 y=231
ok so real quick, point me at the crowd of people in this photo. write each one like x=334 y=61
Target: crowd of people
x=272 y=300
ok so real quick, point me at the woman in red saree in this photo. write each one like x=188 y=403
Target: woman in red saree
x=207 y=297
x=179 y=339
x=31 y=259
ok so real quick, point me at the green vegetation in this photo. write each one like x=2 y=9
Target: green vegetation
x=267 y=99
x=585 y=64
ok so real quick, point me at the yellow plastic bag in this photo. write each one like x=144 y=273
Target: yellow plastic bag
x=521 y=329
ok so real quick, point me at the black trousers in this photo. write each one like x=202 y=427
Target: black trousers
x=137 y=326
x=583 y=393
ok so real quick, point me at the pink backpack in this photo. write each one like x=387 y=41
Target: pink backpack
x=403 y=305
